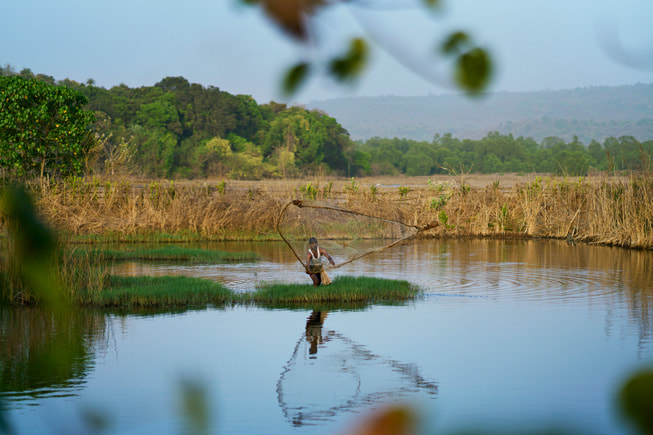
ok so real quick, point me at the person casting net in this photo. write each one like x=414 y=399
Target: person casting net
x=344 y=233
x=315 y=267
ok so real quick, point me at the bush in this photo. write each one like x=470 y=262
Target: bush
x=44 y=129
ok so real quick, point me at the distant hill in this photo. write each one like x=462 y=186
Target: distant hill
x=589 y=113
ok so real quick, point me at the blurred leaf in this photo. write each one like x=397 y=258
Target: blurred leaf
x=455 y=43
x=194 y=407
x=96 y=420
x=636 y=400
x=432 y=3
x=33 y=238
x=295 y=77
x=352 y=63
x=395 y=420
x=473 y=70
x=34 y=246
x=5 y=427
x=291 y=15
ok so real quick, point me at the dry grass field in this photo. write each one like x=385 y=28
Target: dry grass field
x=598 y=209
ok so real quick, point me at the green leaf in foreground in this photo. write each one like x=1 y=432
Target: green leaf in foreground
x=636 y=400
x=295 y=77
x=473 y=70
x=349 y=66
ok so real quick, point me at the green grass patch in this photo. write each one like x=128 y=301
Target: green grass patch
x=173 y=253
x=344 y=289
x=156 y=292
x=180 y=291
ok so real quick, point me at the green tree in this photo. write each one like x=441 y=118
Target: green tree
x=212 y=157
x=44 y=129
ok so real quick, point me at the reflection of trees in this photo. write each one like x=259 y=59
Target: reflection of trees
x=343 y=377
x=44 y=353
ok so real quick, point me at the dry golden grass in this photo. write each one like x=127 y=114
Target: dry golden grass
x=606 y=210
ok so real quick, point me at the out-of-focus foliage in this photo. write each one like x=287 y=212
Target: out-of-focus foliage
x=472 y=67
x=44 y=129
x=28 y=258
x=636 y=400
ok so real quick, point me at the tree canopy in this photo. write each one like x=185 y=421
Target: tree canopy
x=178 y=129
x=44 y=129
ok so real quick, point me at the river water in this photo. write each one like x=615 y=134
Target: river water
x=509 y=335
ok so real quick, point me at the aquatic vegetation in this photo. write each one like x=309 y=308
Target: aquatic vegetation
x=181 y=291
x=171 y=253
x=343 y=289
x=164 y=291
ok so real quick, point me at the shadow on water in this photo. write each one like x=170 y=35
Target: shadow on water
x=45 y=353
x=329 y=374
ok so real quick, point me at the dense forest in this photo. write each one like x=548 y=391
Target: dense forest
x=593 y=113
x=178 y=129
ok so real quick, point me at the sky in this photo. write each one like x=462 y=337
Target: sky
x=536 y=44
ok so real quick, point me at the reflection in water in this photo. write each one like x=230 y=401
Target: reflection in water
x=314 y=325
x=344 y=377
x=46 y=354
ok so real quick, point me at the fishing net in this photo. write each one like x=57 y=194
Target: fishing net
x=329 y=374
x=345 y=233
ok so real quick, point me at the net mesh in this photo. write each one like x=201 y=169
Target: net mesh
x=346 y=234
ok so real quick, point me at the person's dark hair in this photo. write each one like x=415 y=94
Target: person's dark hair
x=312 y=240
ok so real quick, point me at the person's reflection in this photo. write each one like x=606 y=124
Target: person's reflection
x=314 y=325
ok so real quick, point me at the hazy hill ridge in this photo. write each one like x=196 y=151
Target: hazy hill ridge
x=590 y=113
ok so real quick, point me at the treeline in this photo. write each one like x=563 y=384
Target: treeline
x=177 y=129
x=497 y=153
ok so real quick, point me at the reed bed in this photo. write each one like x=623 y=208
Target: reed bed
x=171 y=253
x=605 y=210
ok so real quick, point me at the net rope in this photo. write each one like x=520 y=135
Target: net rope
x=414 y=230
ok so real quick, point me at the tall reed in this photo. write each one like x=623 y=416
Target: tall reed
x=608 y=210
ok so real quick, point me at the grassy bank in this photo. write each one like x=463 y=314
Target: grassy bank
x=603 y=209
x=171 y=253
x=180 y=291
x=157 y=292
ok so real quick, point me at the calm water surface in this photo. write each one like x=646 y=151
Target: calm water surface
x=509 y=334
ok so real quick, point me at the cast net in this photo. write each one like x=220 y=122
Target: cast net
x=345 y=233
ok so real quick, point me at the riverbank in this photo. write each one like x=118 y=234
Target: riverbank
x=608 y=210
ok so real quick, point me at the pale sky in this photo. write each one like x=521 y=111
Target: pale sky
x=537 y=44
